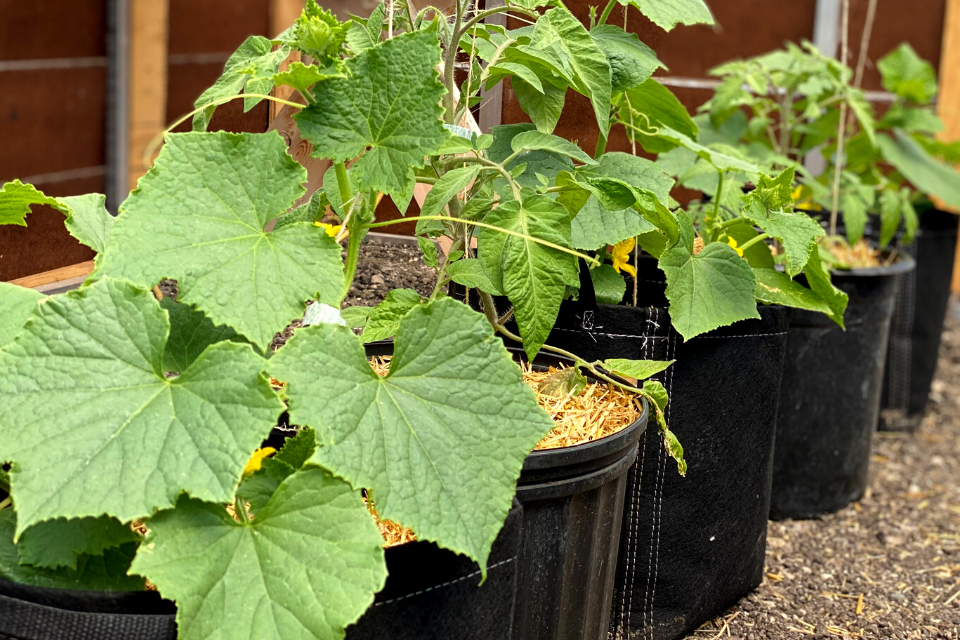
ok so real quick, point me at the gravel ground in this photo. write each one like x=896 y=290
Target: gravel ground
x=887 y=567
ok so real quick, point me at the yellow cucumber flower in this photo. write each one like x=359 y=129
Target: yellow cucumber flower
x=733 y=243
x=331 y=229
x=256 y=460
x=805 y=203
x=621 y=256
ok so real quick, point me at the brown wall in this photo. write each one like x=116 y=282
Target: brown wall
x=197 y=52
x=52 y=121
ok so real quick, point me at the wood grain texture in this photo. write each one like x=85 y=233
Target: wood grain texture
x=73 y=274
x=148 y=80
x=51 y=120
x=948 y=102
x=52 y=29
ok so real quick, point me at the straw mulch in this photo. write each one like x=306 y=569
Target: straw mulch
x=599 y=411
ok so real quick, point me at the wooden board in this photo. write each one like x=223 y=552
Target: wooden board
x=148 y=80
x=57 y=278
x=948 y=102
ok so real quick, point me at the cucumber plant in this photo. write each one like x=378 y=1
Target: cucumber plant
x=119 y=409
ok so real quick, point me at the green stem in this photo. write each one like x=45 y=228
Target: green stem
x=726 y=224
x=241 y=509
x=343 y=184
x=606 y=12
x=442 y=278
x=411 y=13
x=353 y=255
x=449 y=64
x=484 y=225
x=757 y=240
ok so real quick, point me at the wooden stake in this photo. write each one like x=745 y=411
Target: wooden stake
x=149 y=25
x=948 y=102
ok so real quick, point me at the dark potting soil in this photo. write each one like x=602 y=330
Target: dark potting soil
x=385 y=266
x=381 y=267
x=899 y=547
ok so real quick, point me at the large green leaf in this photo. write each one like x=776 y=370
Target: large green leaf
x=199 y=216
x=533 y=276
x=16 y=199
x=104 y=572
x=768 y=207
x=712 y=289
x=440 y=440
x=819 y=281
x=307 y=566
x=388 y=109
x=924 y=171
x=16 y=305
x=561 y=32
x=594 y=226
x=60 y=543
x=93 y=425
x=774 y=287
x=908 y=75
x=255 y=57
x=631 y=61
x=667 y=14
x=649 y=106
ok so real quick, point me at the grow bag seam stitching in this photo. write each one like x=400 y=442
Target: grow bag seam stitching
x=445 y=584
x=626 y=611
x=672 y=346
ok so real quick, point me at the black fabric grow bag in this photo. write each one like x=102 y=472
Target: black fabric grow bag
x=830 y=397
x=573 y=502
x=917 y=324
x=435 y=594
x=689 y=547
x=37 y=613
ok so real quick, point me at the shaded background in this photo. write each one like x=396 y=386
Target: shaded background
x=85 y=84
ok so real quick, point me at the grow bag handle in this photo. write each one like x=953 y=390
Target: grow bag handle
x=586 y=303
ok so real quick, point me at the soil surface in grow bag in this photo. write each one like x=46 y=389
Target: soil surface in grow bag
x=898 y=548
